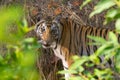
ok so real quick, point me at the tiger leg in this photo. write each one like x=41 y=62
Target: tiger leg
x=65 y=65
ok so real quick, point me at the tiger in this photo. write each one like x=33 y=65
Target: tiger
x=68 y=38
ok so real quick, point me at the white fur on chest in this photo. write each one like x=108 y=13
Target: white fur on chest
x=59 y=53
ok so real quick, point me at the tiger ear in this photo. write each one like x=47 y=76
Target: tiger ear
x=37 y=24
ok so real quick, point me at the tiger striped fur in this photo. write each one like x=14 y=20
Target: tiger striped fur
x=67 y=38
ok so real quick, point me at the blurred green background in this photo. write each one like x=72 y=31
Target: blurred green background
x=18 y=60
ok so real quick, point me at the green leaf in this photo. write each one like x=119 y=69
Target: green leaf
x=112 y=37
x=9 y=16
x=80 y=69
x=28 y=61
x=85 y=3
x=101 y=6
x=76 y=78
x=25 y=24
x=75 y=57
x=1 y=58
x=94 y=58
x=117 y=25
x=109 y=54
x=102 y=49
x=78 y=62
x=117 y=62
x=67 y=71
x=97 y=39
x=103 y=74
x=117 y=2
x=110 y=15
x=29 y=40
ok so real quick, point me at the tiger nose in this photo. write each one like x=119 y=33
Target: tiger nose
x=42 y=29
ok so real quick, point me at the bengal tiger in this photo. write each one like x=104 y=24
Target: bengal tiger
x=67 y=38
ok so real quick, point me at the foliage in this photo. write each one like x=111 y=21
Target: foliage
x=18 y=63
x=90 y=67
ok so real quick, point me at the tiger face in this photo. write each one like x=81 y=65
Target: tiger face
x=48 y=33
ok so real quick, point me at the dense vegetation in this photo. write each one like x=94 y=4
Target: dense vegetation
x=18 y=60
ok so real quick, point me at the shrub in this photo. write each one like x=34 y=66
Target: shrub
x=18 y=62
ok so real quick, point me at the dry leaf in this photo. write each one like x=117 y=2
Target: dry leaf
x=35 y=11
x=52 y=4
x=77 y=3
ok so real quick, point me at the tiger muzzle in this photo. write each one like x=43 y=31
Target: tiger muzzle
x=44 y=43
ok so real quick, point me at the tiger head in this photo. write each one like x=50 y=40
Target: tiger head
x=47 y=32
